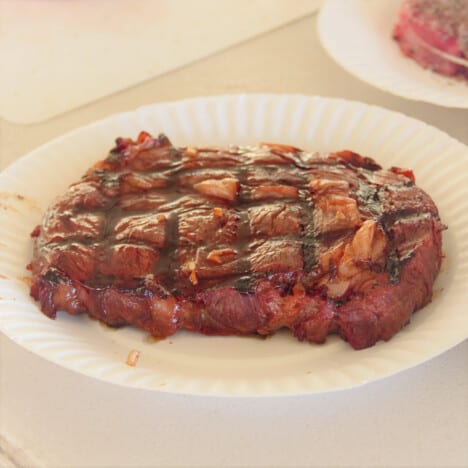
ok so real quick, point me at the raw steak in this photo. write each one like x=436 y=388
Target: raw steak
x=435 y=34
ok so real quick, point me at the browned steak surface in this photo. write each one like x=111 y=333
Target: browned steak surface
x=240 y=240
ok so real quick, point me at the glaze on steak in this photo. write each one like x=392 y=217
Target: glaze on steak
x=240 y=240
x=435 y=34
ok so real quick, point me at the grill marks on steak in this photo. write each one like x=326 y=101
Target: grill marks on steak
x=435 y=34
x=240 y=240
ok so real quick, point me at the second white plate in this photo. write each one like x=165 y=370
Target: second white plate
x=358 y=36
x=235 y=366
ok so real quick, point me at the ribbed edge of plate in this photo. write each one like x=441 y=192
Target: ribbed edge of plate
x=236 y=366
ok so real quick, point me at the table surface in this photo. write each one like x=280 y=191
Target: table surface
x=51 y=417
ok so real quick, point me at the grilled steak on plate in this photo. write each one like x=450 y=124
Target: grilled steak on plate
x=240 y=240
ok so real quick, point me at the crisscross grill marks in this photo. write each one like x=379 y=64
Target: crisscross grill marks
x=239 y=240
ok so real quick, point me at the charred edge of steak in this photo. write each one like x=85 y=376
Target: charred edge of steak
x=239 y=240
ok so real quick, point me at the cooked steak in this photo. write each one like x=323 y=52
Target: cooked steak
x=435 y=34
x=240 y=240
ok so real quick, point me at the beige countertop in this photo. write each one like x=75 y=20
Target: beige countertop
x=50 y=417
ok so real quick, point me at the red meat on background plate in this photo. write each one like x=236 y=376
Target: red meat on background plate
x=435 y=34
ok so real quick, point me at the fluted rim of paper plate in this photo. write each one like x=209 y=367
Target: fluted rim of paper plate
x=324 y=115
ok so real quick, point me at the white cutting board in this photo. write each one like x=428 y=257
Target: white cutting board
x=58 y=55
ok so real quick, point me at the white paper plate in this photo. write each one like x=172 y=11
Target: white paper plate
x=195 y=364
x=358 y=35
